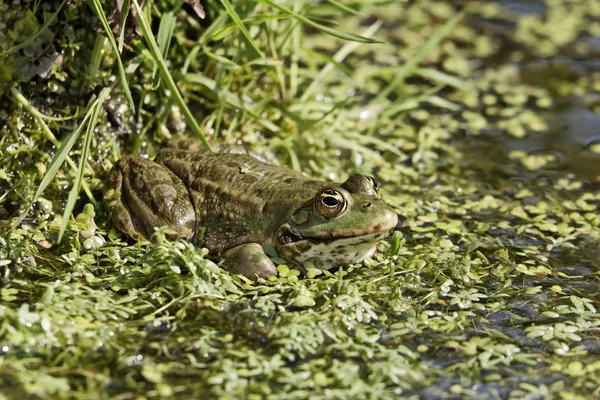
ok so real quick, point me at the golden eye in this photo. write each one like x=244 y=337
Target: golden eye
x=330 y=203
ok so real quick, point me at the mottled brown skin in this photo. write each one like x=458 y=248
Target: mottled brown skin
x=242 y=204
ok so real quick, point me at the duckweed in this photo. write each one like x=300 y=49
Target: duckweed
x=488 y=288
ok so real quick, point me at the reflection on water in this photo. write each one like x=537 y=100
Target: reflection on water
x=523 y=7
x=574 y=130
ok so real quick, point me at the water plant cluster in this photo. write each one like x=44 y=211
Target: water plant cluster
x=474 y=117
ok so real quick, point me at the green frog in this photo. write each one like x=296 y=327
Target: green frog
x=239 y=205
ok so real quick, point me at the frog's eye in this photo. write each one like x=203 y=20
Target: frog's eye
x=330 y=203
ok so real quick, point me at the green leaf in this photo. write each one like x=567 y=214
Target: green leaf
x=124 y=14
x=165 y=33
x=411 y=65
x=344 y=7
x=57 y=160
x=229 y=97
x=238 y=21
x=92 y=119
x=166 y=75
x=396 y=242
x=336 y=61
x=330 y=31
x=97 y=7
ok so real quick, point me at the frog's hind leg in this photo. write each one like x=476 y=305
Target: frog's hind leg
x=142 y=195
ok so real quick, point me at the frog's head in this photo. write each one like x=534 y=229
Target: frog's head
x=340 y=225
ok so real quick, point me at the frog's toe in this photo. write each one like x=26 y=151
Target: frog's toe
x=249 y=260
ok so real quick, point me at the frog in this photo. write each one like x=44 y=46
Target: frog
x=237 y=205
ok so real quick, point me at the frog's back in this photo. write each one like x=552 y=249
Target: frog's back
x=237 y=198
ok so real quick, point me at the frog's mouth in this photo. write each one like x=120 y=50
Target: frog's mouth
x=289 y=235
x=328 y=250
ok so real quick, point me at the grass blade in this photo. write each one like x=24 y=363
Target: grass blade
x=166 y=75
x=330 y=31
x=337 y=59
x=92 y=119
x=97 y=7
x=238 y=21
x=442 y=77
x=381 y=144
x=414 y=62
x=221 y=59
x=60 y=156
x=165 y=33
x=294 y=161
x=443 y=103
x=226 y=30
x=97 y=55
x=408 y=103
x=230 y=98
x=344 y=7
x=328 y=59
x=124 y=13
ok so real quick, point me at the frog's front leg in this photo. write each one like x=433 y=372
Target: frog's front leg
x=249 y=260
x=142 y=195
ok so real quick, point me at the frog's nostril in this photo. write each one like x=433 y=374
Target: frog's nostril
x=367 y=204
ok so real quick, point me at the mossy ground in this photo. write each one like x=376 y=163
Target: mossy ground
x=483 y=142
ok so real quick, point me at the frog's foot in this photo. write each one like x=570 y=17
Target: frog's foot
x=142 y=195
x=249 y=260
